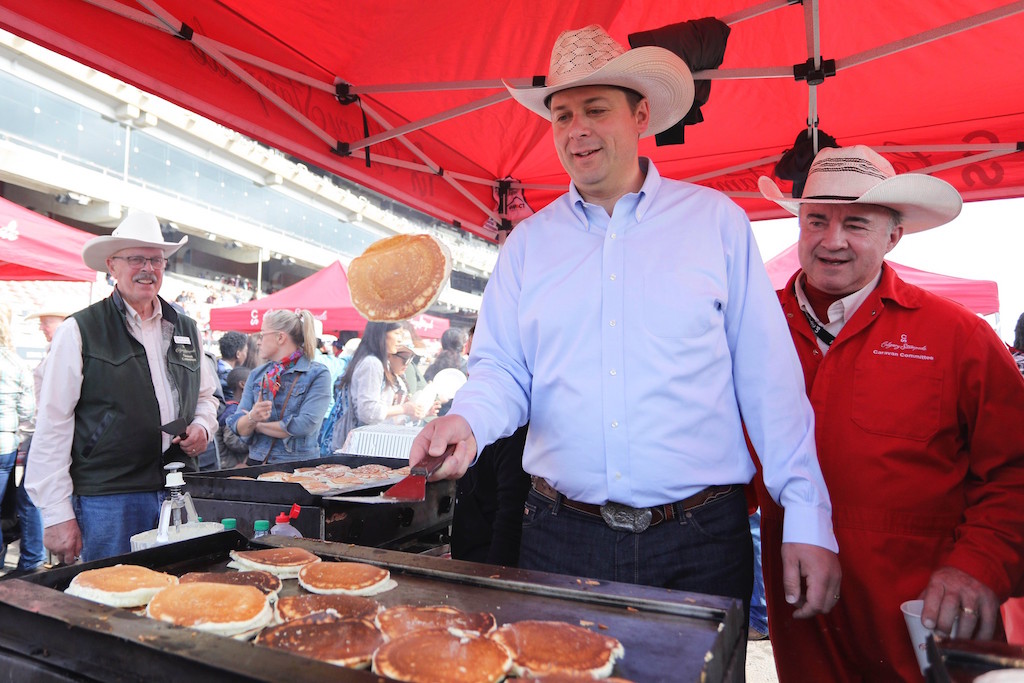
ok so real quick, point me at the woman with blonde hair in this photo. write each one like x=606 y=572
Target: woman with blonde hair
x=285 y=399
x=17 y=404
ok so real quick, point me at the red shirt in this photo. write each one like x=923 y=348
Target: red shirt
x=919 y=423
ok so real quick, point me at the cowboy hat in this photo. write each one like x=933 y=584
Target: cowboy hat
x=55 y=308
x=589 y=56
x=138 y=229
x=860 y=175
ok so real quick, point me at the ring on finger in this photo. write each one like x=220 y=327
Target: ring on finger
x=967 y=610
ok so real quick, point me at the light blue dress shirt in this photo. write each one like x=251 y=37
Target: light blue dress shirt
x=637 y=345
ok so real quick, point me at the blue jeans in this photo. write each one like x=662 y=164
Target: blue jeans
x=31 y=522
x=108 y=522
x=705 y=550
x=758 y=605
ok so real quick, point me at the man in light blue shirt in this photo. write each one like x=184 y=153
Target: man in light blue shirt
x=632 y=323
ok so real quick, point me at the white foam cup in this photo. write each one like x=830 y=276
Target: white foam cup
x=918 y=633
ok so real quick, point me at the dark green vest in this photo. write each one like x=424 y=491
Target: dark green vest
x=116 y=447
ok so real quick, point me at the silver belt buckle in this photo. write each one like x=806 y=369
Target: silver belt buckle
x=625 y=518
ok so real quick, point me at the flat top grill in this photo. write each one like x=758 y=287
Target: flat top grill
x=668 y=635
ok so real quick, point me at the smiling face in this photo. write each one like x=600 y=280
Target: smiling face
x=138 y=285
x=841 y=246
x=596 y=135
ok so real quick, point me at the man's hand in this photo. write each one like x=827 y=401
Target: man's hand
x=64 y=540
x=953 y=593
x=810 y=577
x=435 y=439
x=195 y=441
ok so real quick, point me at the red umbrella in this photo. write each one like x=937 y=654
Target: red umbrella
x=939 y=86
x=34 y=247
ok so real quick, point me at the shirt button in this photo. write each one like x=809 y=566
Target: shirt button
x=618 y=475
x=615 y=423
x=611 y=323
x=612 y=373
x=816 y=352
x=612 y=277
x=612 y=236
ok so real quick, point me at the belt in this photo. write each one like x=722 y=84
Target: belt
x=613 y=513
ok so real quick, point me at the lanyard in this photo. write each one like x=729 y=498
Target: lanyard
x=819 y=330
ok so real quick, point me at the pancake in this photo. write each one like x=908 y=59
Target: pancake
x=437 y=655
x=265 y=581
x=327 y=637
x=542 y=648
x=398 y=621
x=282 y=562
x=398 y=277
x=123 y=585
x=348 y=578
x=345 y=606
x=237 y=611
x=273 y=476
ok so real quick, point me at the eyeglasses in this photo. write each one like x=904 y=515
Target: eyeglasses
x=158 y=262
x=261 y=334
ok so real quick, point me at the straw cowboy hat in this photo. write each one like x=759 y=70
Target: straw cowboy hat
x=589 y=56
x=138 y=229
x=55 y=308
x=860 y=175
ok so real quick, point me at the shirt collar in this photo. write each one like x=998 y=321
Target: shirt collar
x=841 y=310
x=641 y=200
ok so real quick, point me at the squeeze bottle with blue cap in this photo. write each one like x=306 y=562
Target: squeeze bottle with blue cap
x=283 y=527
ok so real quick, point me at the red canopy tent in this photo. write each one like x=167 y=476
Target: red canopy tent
x=937 y=86
x=325 y=294
x=34 y=247
x=981 y=296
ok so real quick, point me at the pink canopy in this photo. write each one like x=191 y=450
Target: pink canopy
x=325 y=295
x=34 y=247
x=981 y=296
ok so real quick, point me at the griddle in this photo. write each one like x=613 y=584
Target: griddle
x=668 y=635
x=333 y=516
x=959 y=661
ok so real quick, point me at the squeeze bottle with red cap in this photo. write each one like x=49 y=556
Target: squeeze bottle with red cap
x=283 y=527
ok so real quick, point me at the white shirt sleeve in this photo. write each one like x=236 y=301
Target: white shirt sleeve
x=206 y=406
x=48 y=472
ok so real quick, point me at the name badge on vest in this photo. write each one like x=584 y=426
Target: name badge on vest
x=183 y=347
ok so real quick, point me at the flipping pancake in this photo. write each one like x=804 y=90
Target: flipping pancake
x=398 y=277
x=282 y=562
x=397 y=621
x=123 y=585
x=237 y=611
x=327 y=637
x=542 y=648
x=429 y=656
x=265 y=581
x=349 y=578
x=345 y=606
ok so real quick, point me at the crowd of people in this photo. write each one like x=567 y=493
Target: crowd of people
x=609 y=429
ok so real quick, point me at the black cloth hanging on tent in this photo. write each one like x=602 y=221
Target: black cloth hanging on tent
x=796 y=161
x=701 y=44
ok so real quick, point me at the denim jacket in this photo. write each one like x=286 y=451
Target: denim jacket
x=306 y=408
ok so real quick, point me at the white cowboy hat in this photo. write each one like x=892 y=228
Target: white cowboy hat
x=860 y=175
x=589 y=56
x=138 y=229
x=56 y=308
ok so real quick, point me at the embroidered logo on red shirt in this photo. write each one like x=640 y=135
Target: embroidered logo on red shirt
x=903 y=349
